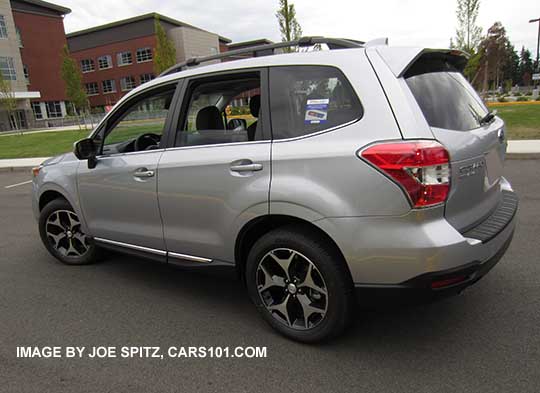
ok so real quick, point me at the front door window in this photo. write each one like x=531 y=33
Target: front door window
x=140 y=126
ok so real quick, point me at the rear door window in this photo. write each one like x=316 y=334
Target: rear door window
x=308 y=99
x=222 y=109
x=446 y=98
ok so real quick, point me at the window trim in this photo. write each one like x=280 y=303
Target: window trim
x=49 y=112
x=10 y=62
x=147 y=73
x=110 y=62
x=4 y=28
x=220 y=75
x=33 y=105
x=93 y=94
x=93 y=66
x=328 y=129
x=123 y=78
x=119 y=56
x=147 y=60
x=113 y=85
x=112 y=118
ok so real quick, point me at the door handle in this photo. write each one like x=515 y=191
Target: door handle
x=143 y=173
x=246 y=167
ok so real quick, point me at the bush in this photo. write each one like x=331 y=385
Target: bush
x=538 y=98
x=502 y=99
x=239 y=110
x=521 y=99
x=517 y=94
x=529 y=93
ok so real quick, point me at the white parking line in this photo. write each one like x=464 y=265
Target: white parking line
x=19 y=184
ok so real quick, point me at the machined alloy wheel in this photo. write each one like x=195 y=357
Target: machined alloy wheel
x=62 y=234
x=63 y=230
x=300 y=283
x=292 y=289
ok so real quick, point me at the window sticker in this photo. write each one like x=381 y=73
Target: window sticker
x=316 y=111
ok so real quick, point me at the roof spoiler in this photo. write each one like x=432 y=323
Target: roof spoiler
x=401 y=59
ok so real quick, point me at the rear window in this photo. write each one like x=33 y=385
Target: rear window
x=445 y=97
x=308 y=99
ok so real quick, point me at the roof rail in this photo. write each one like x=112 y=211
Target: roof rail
x=267 y=49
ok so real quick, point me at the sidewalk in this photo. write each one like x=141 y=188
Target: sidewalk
x=524 y=149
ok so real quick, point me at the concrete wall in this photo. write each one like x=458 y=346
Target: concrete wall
x=191 y=42
x=10 y=47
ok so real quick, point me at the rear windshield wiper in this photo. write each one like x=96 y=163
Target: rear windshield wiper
x=488 y=118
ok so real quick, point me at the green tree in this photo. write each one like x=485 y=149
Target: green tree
x=510 y=69
x=71 y=75
x=288 y=25
x=525 y=66
x=8 y=101
x=165 y=56
x=494 y=50
x=468 y=33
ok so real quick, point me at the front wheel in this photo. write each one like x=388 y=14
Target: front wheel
x=300 y=285
x=61 y=233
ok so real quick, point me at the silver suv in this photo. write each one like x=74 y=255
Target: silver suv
x=322 y=177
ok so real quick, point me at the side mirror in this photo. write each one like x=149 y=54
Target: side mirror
x=85 y=149
x=237 y=124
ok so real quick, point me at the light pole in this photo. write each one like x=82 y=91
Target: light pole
x=537 y=45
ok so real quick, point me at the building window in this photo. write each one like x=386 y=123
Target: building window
x=19 y=37
x=54 y=109
x=144 y=54
x=36 y=108
x=26 y=74
x=127 y=83
x=87 y=65
x=124 y=58
x=108 y=86
x=104 y=62
x=3 y=28
x=92 y=88
x=146 y=78
x=7 y=68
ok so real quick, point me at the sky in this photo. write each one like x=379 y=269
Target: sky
x=427 y=23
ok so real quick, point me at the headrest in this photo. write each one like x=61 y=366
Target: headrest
x=209 y=118
x=255 y=105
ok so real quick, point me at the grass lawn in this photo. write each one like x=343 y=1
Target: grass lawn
x=522 y=121
x=42 y=144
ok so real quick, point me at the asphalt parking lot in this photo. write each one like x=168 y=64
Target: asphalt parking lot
x=485 y=340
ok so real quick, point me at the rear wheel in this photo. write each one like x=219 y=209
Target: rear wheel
x=299 y=285
x=61 y=232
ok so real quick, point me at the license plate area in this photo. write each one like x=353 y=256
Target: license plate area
x=494 y=167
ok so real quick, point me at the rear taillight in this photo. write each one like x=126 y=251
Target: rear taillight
x=421 y=168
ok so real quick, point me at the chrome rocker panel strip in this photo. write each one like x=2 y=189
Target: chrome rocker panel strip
x=185 y=257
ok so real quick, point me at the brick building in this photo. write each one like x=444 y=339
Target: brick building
x=42 y=61
x=32 y=67
x=116 y=57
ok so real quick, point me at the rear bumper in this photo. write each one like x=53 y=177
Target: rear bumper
x=412 y=251
x=420 y=287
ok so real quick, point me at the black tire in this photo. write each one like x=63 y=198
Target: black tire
x=90 y=254
x=328 y=263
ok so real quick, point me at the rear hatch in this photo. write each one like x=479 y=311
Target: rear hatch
x=476 y=144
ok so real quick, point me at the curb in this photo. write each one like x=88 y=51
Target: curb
x=523 y=156
x=17 y=169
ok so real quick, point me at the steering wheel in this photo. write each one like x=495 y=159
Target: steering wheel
x=144 y=141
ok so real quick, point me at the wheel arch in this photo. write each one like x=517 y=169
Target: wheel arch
x=259 y=226
x=49 y=196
